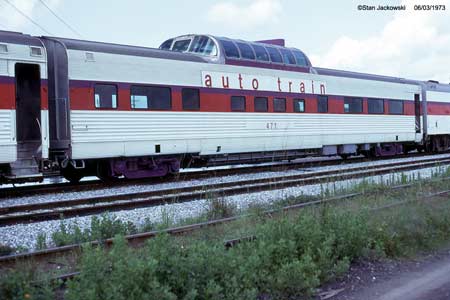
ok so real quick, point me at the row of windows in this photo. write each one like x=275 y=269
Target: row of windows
x=146 y=97
x=374 y=106
x=160 y=98
x=265 y=53
x=261 y=104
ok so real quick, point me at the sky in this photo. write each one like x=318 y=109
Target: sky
x=333 y=34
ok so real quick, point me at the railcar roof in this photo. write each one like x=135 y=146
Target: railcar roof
x=125 y=49
x=19 y=38
x=367 y=76
x=430 y=85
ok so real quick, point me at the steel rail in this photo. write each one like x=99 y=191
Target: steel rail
x=139 y=238
x=15 y=214
x=48 y=188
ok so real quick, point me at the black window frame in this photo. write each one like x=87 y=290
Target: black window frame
x=238 y=100
x=226 y=49
x=320 y=100
x=370 y=107
x=174 y=43
x=297 y=100
x=165 y=43
x=275 y=104
x=246 y=49
x=287 y=56
x=261 y=53
x=99 y=85
x=390 y=106
x=353 y=102
x=266 y=100
x=149 y=99
x=274 y=54
x=183 y=104
x=300 y=56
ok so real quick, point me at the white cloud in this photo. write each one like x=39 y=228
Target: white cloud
x=13 y=20
x=414 y=44
x=251 y=14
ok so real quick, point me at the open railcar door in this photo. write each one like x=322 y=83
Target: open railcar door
x=28 y=120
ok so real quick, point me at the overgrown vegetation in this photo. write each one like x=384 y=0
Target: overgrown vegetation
x=101 y=228
x=6 y=250
x=293 y=253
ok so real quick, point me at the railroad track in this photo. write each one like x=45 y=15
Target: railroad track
x=38 y=212
x=72 y=251
x=61 y=187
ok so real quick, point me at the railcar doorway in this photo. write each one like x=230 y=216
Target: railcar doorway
x=28 y=110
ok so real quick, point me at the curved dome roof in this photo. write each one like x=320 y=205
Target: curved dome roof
x=222 y=49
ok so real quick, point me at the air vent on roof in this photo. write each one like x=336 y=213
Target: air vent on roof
x=36 y=51
x=3 y=48
x=433 y=81
x=89 y=56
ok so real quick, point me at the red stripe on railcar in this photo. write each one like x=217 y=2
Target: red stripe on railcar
x=438 y=108
x=7 y=96
x=216 y=100
x=44 y=96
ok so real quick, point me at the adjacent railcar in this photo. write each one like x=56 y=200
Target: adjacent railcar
x=116 y=110
x=23 y=107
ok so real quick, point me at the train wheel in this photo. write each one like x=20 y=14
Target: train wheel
x=71 y=174
x=104 y=172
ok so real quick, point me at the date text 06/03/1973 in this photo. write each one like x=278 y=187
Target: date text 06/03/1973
x=419 y=7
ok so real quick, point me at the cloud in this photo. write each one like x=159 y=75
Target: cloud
x=252 y=14
x=414 y=44
x=13 y=20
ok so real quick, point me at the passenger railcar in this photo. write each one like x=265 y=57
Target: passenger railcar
x=118 y=110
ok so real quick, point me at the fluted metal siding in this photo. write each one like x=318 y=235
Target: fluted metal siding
x=131 y=133
x=8 y=146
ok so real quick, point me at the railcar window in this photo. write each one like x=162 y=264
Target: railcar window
x=190 y=99
x=395 y=107
x=300 y=58
x=375 y=106
x=322 y=104
x=231 y=50
x=203 y=45
x=246 y=51
x=237 y=103
x=275 y=56
x=261 y=53
x=105 y=96
x=152 y=97
x=279 y=104
x=288 y=58
x=181 y=45
x=353 y=105
x=166 y=45
x=299 y=105
x=261 y=104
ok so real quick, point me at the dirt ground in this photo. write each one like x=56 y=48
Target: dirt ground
x=424 y=278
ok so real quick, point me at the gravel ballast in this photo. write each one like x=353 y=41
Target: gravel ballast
x=24 y=235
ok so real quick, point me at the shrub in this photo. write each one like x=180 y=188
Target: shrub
x=23 y=284
x=6 y=250
x=101 y=228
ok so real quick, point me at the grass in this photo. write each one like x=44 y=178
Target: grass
x=292 y=255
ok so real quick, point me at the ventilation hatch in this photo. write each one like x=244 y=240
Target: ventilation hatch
x=89 y=56
x=3 y=48
x=36 y=51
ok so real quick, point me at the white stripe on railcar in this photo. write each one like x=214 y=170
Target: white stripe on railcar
x=98 y=134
